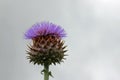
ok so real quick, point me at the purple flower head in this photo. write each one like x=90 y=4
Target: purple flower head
x=43 y=29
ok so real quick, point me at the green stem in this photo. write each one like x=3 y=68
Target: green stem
x=46 y=72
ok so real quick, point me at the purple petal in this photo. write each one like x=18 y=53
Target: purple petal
x=43 y=29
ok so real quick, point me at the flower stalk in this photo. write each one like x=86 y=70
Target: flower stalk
x=46 y=72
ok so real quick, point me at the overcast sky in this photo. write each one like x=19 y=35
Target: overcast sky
x=93 y=38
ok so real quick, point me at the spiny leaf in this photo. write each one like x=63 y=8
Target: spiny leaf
x=50 y=73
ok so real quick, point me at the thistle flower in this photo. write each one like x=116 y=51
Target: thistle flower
x=47 y=45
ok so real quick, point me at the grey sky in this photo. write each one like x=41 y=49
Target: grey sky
x=93 y=40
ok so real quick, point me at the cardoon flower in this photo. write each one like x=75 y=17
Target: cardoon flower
x=47 y=45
